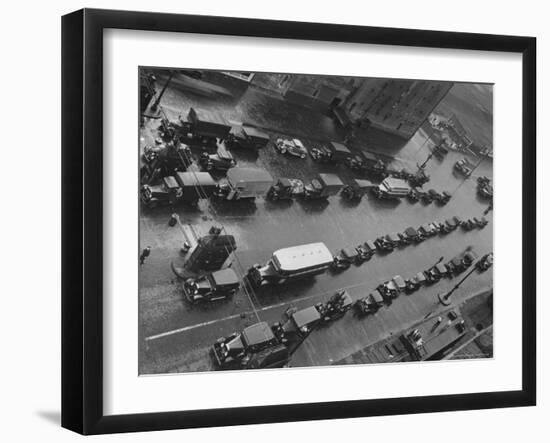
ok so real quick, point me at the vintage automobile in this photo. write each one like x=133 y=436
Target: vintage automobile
x=468 y=224
x=247 y=137
x=392 y=288
x=464 y=167
x=370 y=247
x=286 y=189
x=413 y=195
x=485 y=262
x=320 y=153
x=339 y=152
x=451 y=224
x=292 y=147
x=480 y=222
x=427 y=230
x=485 y=191
x=437 y=272
x=414 y=283
x=345 y=258
x=394 y=239
x=323 y=187
x=440 y=151
x=217 y=285
x=383 y=244
x=426 y=197
x=221 y=161
x=444 y=198
x=392 y=188
x=255 y=347
x=356 y=189
x=369 y=304
x=336 y=307
x=355 y=162
x=468 y=258
x=456 y=265
x=412 y=235
x=370 y=164
x=363 y=254
x=418 y=179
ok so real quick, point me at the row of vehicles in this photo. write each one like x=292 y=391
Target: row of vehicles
x=429 y=196
x=391 y=289
x=263 y=346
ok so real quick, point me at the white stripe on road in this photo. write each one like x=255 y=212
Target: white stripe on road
x=231 y=317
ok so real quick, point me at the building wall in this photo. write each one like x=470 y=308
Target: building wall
x=396 y=106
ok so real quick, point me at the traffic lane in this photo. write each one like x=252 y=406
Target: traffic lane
x=257 y=236
x=188 y=349
x=359 y=280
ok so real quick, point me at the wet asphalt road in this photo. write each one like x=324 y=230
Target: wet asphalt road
x=176 y=336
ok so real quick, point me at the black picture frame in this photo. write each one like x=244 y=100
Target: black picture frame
x=82 y=215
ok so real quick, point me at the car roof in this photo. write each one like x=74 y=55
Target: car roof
x=257 y=334
x=306 y=316
x=225 y=277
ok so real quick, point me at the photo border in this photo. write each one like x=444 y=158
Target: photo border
x=82 y=220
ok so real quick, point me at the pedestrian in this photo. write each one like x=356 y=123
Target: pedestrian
x=173 y=220
x=144 y=254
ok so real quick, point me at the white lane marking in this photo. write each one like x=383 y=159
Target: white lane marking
x=231 y=317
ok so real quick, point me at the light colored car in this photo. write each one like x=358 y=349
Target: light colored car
x=293 y=147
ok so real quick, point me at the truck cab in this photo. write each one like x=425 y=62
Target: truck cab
x=221 y=161
x=168 y=192
x=218 y=285
x=323 y=187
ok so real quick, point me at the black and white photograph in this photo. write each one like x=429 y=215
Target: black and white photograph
x=290 y=220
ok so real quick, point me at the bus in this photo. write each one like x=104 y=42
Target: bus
x=292 y=263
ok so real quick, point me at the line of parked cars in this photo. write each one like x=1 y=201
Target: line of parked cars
x=387 y=243
x=391 y=289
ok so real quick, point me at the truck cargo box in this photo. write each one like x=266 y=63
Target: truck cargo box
x=195 y=185
x=208 y=123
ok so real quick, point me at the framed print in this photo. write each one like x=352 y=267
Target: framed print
x=273 y=221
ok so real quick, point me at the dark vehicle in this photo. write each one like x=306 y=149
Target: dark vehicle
x=383 y=244
x=415 y=283
x=485 y=191
x=427 y=197
x=394 y=239
x=373 y=165
x=468 y=225
x=323 y=187
x=339 y=152
x=335 y=307
x=369 y=304
x=184 y=187
x=485 y=262
x=356 y=162
x=427 y=230
x=247 y=137
x=286 y=189
x=440 y=151
x=221 y=161
x=464 y=167
x=412 y=235
x=255 y=347
x=296 y=326
x=443 y=198
x=480 y=222
x=392 y=288
x=164 y=160
x=357 y=189
x=437 y=272
x=370 y=247
x=363 y=253
x=168 y=192
x=244 y=183
x=456 y=266
x=204 y=126
x=195 y=186
x=320 y=153
x=468 y=258
x=287 y=264
x=483 y=180
x=292 y=147
x=345 y=258
x=451 y=224
x=418 y=179
x=413 y=195
x=218 y=285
